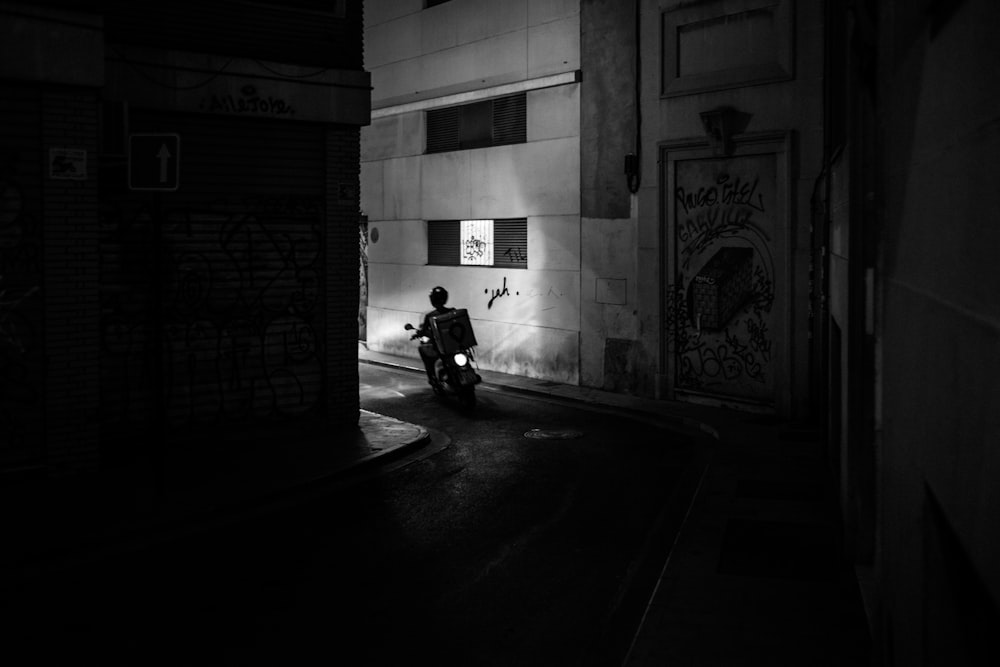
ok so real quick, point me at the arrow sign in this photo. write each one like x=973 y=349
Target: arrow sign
x=154 y=161
x=164 y=155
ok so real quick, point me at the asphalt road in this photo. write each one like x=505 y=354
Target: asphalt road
x=486 y=548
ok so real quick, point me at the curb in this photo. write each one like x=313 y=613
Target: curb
x=664 y=421
x=138 y=533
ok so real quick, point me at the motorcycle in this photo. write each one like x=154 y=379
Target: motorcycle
x=451 y=342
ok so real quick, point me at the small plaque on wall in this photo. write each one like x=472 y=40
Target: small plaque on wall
x=68 y=164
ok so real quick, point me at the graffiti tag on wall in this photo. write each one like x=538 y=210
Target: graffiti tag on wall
x=497 y=293
x=719 y=309
x=547 y=296
x=241 y=318
x=515 y=255
x=476 y=237
x=249 y=102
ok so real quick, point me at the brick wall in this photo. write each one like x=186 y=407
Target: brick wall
x=342 y=282
x=70 y=287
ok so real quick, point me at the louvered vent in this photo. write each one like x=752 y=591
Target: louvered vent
x=509 y=120
x=479 y=124
x=443 y=242
x=442 y=130
x=510 y=243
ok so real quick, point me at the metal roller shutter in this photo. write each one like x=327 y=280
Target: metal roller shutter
x=240 y=157
x=479 y=124
x=510 y=124
x=510 y=243
x=242 y=248
x=442 y=130
x=443 y=242
x=22 y=317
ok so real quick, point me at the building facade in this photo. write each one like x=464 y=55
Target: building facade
x=179 y=224
x=623 y=281
x=471 y=176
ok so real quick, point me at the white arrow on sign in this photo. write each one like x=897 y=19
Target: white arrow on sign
x=164 y=156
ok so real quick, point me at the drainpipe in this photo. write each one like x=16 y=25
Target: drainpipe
x=821 y=264
x=633 y=161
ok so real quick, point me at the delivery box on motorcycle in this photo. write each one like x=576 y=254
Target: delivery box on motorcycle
x=453 y=331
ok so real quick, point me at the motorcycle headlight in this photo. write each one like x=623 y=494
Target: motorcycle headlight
x=461 y=359
x=425 y=339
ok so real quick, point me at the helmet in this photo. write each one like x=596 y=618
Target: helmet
x=439 y=296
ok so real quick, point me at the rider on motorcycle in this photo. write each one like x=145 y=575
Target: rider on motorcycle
x=429 y=353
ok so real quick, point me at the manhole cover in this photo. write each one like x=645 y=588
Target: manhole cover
x=553 y=434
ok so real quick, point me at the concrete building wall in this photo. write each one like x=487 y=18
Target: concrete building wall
x=939 y=566
x=782 y=100
x=609 y=330
x=572 y=168
x=343 y=145
x=415 y=53
x=527 y=321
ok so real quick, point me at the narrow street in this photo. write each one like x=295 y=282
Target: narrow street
x=496 y=549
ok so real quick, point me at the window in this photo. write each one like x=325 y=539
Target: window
x=489 y=123
x=502 y=243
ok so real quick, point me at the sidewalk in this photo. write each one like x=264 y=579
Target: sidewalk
x=755 y=575
x=55 y=523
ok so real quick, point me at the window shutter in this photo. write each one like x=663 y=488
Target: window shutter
x=444 y=242
x=509 y=247
x=510 y=243
x=510 y=120
x=475 y=125
x=443 y=129
x=479 y=124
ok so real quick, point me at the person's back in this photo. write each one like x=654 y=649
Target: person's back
x=428 y=352
x=425 y=328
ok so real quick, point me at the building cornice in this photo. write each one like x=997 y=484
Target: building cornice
x=466 y=97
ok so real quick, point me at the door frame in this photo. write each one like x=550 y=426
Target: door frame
x=779 y=144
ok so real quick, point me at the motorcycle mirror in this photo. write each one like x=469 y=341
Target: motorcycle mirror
x=408 y=326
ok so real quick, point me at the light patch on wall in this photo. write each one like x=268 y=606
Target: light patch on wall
x=477 y=242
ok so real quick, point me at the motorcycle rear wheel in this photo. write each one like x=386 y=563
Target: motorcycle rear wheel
x=467 y=398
